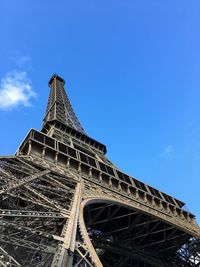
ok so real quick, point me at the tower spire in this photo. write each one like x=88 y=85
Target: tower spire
x=59 y=107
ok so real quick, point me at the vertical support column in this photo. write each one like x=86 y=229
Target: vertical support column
x=128 y=190
x=100 y=177
x=43 y=152
x=110 y=182
x=68 y=163
x=119 y=186
x=64 y=255
x=29 y=147
x=56 y=158
x=79 y=168
x=90 y=173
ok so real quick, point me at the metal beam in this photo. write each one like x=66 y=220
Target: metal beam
x=31 y=213
x=17 y=183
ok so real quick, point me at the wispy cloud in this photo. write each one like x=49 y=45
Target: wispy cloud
x=15 y=89
x=168 y=151
x=21 y=61
x=24 y=62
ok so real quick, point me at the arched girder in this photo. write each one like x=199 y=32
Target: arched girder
x=120 y=229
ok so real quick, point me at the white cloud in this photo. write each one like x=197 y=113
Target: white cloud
x=15 y=90
x=168 y=151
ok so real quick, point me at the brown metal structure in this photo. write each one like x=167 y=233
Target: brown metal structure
x=63 y=203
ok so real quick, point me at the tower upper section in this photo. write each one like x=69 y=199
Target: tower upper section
x=59 y=107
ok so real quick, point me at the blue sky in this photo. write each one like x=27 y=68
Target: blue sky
x=132 y=71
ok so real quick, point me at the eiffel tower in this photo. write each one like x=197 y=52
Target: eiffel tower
x=63 y=203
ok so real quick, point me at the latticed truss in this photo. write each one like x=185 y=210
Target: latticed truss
x=35 y=207
x=63 y=203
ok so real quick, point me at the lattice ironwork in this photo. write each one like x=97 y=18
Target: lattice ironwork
x=63 y=203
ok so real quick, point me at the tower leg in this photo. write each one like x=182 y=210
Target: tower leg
x=65 y=252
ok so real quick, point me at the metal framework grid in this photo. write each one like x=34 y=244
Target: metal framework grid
x=63 y=203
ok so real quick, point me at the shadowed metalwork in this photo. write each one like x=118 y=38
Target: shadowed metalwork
x=63 y=203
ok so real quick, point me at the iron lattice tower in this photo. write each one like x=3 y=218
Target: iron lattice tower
x=63 y=203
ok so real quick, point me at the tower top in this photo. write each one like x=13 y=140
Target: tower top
x=59 y=108
x=56 y=77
